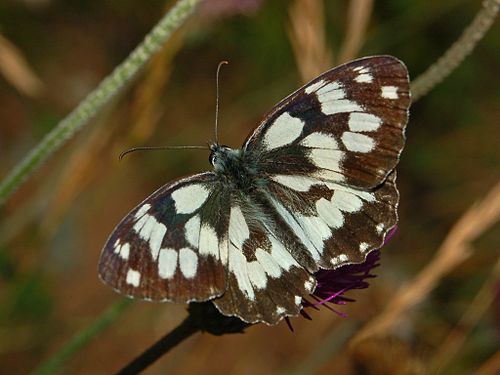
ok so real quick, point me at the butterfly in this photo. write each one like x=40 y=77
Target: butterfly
x=313 y=187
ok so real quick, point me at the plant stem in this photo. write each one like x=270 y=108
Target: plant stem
x=184 y=330
x=83 y=338
x=457 y=52
x=91 y=105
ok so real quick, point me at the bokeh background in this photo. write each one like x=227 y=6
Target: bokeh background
x=54 y=52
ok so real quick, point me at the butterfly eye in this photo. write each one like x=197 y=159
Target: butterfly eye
x=212 y=158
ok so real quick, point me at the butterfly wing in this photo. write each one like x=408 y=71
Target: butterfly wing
x=264 y=281
x=345 y=126
x=327 y=153
x=332 y=224
x=195 y=240
x=172 y=246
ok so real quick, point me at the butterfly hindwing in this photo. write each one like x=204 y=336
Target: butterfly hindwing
x=168 y=248
x=345 y=126
x=336 y=225
x=264 y=281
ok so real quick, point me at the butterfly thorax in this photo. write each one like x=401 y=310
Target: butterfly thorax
x=234 y=167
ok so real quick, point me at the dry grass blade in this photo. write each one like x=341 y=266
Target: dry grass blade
x=17 y=71
x=307 y=36
x=453 y=251
x=478 y=306
x=357 y=22
x=81 y=169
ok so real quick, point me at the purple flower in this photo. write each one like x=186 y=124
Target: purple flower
x=333 y=284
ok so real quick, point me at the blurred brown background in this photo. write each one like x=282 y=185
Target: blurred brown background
x=52 y=53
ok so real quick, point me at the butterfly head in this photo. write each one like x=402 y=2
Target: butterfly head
x=219 y=156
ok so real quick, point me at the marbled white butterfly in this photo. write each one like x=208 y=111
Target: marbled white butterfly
x=313 y=187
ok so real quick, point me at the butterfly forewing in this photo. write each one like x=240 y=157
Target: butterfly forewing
x=170 y=247
x=345 y=126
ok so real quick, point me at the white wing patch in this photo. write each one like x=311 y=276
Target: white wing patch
x=152 y=231
x=363 y=246
x=238 y=266
x=327 y=159
x=122 y=250
x=364 y=122
x=365 y=195
x=268 y=263
x=309 y=284
x=209 y=243
x=188 y=262
x=339 y=259
x=364 y=75
x=145 y=208
x=237 y=263
x=358 y=142
x=379 y=228
x=297 y=183
x=329 y=213
x=332 y=98
x=315 y=86
x=297 y=229
x=389 y=92
x=283 y=131
x=238 y=228
x=257 y=274
x=346 y=202
x=316 y=229
x=189 y=198
x=192 y=231
x=167 y=263
x=343 y=199
x=320 y=140
x=327 y=175
x=133 y=278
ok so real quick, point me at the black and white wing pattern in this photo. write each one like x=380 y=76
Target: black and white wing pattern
x=330 y=150
x=345 y=126
x=312 y=188
x=173 y=246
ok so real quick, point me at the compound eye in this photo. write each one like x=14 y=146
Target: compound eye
x=212 y=158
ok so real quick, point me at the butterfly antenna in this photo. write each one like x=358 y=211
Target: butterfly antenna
x=217 y=99
x=152 y=148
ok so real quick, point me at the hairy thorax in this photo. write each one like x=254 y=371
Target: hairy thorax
x=235 y=167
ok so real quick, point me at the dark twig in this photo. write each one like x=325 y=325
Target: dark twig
x=184 y=330
x=202 y=316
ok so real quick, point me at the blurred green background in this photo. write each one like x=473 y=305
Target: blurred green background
x=52 y=229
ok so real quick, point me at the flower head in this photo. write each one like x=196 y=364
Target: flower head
x=333 y=284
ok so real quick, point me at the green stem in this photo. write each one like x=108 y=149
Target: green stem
x=83 y=338
x=106 y=90
x=457 y=52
